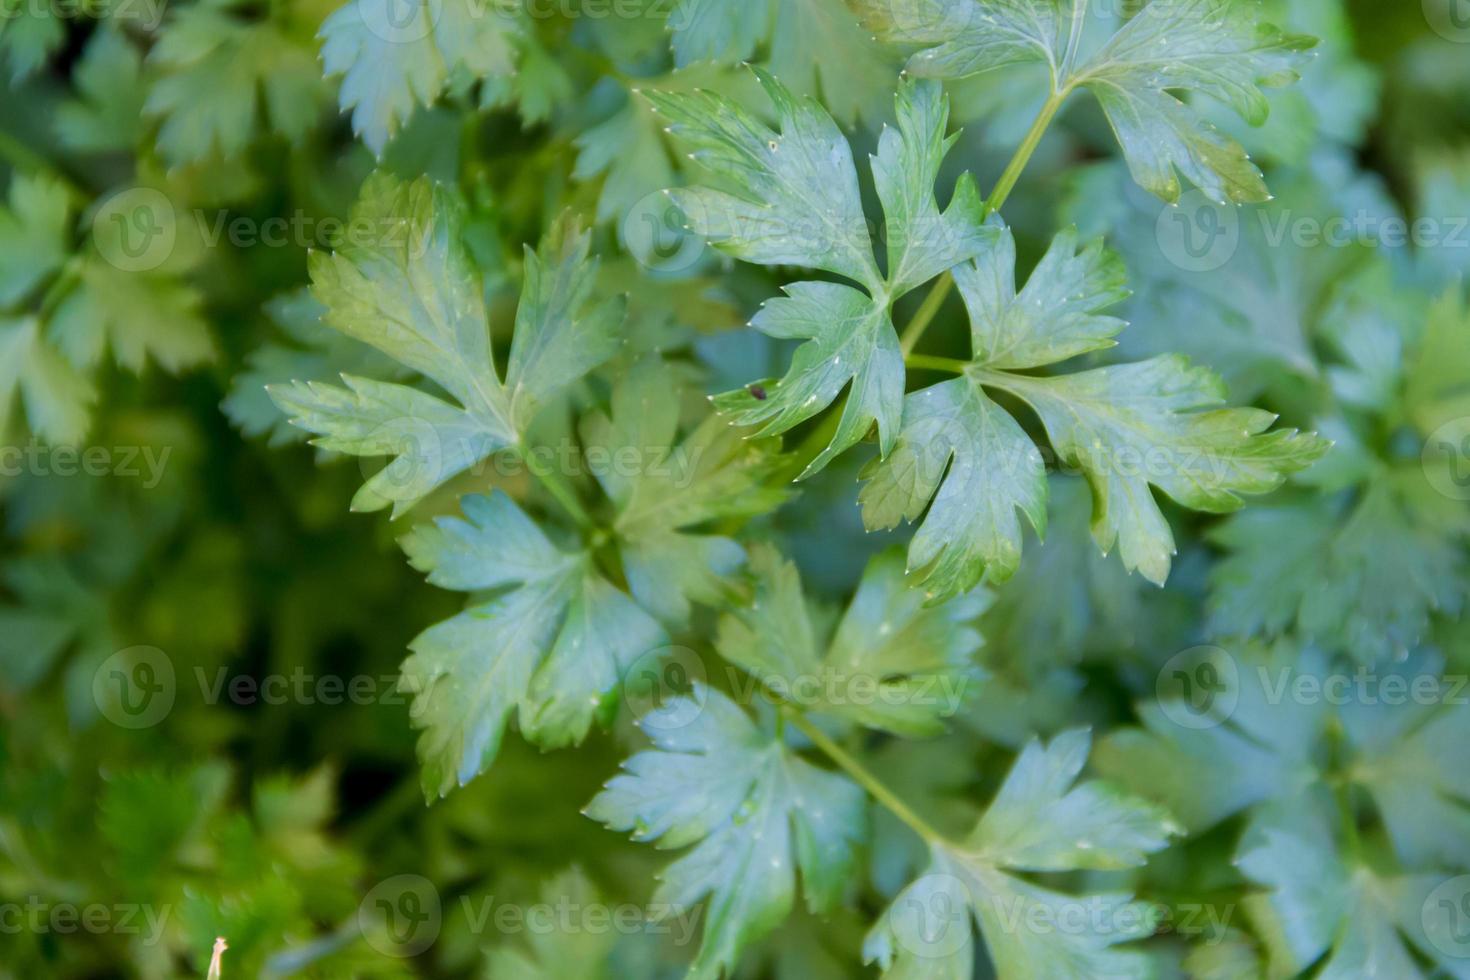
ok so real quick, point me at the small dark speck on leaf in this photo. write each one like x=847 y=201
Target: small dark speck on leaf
x=758 y=393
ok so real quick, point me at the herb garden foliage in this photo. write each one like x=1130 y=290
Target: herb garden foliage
x=618 y=326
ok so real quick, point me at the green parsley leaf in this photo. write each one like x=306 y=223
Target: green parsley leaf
x=551 y=642
x=1126 y=427
x=318 y=353
x=1324 y=907
x=814 y=48
x=1437 y=376
x=794 y=201
x=1364 y=578
x=1216 y=48
x=219 y=74
x=391 y=65
x=1267 y=723
x=29 y=33
x=754 y=812
x=710 y=30
x=914 y=662
x=664 y=491
x=570 y=951
x=35 y=236
x=411 y=292
x=1265 y=750
x=111 y=95
x=1038 y=821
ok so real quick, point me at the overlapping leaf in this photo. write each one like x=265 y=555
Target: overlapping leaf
x=1038 y=821
x=789 y=196
x=890 y=664
x=1366 y=570
x=551 y=641
x=667 y=491
x=1265 y=720
x=64 y=303
x=221 y=78
x=1326 y=906
x=395 y=56
x=755 y=814
x=1127 y=428
x=1215 y=48
x=813 y=46
x=410 y=291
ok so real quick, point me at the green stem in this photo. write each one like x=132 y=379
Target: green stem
x=563 y=493
x=924 y=362
x=70 y=275
x=22 y=158
x=1342 y=789
x=939 y=292
x=1012 y=172
x=863 y=777
x=403 y=799
x=811 y=447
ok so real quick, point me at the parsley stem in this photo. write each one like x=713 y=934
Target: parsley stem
x=927 y=363
x=557 y=486
x=1012 y=172
x=863 y=777
x=939 y=292
x=24 y=159
x=811 y=447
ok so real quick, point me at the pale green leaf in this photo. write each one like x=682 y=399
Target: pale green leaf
x=891 y=663
x=851 y=344
x=409 y=290
x=793 y=192
x=668 y=491
x=1038 y=820
x=396 y=56
x=35 y=235
x=221 y=79
x=754 y=813
x=1127 y=428
x=1216 y=48
x=966 y=467
x=552 y=642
